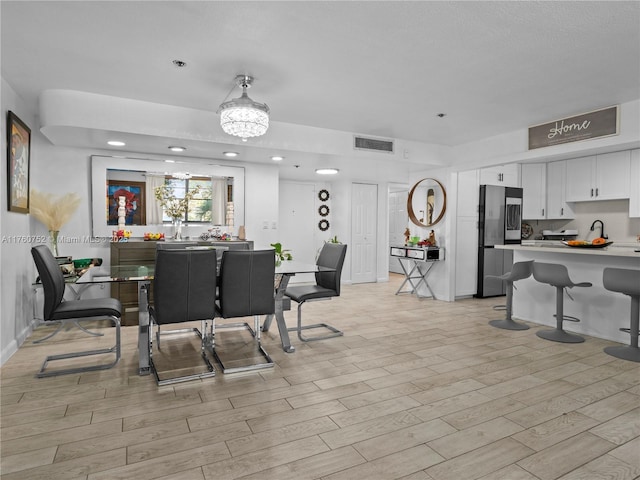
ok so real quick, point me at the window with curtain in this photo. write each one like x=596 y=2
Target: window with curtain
x=199 y=209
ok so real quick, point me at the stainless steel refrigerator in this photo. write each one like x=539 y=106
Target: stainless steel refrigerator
x=499 y=223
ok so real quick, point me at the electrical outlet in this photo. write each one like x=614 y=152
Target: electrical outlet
x=265 y=225
x=274 y=225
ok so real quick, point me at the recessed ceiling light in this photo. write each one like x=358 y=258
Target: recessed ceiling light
x=179 y=63
x=442 y=115
x=170 y=161
x=326 y=171
x=177 y=148
x=116 y=143
x=277 y=158
x=230 y=154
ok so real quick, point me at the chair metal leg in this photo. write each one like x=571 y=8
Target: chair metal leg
x=255 y=332
x=300 y=327
x=508 y=323
x=115 y=349
x=629 y=352
x=64 y=324
x=558 y=334
x=184 y=378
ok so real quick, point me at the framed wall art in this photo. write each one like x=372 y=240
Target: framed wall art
x=18 y=164
x=134 y=193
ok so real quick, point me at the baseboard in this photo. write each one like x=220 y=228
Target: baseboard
x=13 y=346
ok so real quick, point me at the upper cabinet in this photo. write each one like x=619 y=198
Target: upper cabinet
x=634 y=184
x=557 y=206
x=598 y=177
x=534 y=191
x=502 y=175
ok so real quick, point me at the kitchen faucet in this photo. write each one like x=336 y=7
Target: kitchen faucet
x=601 y=228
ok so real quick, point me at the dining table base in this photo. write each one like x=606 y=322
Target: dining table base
x=281 y=282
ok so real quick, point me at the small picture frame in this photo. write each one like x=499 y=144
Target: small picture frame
x=18 y=164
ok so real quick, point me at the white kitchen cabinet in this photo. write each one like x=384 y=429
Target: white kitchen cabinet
x=468 y=194
x=502 y=175
x=598 y=177
x=466 y=238
x=634 y=184
x=466 y=256
x=557 y=206
x=534 y=191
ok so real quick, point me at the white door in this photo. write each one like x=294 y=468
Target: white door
x=364 y=210
x=298 y=225
x=398 y=220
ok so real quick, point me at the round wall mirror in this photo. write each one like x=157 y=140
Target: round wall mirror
x=427 y=202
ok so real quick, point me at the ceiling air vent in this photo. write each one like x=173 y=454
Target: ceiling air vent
x=362 y=143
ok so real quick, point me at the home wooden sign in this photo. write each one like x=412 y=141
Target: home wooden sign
x=599 y=123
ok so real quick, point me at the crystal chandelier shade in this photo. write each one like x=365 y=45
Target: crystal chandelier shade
x=242 y=117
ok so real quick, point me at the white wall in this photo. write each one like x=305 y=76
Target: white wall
x=15 y=257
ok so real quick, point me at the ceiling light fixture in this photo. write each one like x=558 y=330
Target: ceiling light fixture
x=277 y=158
x=242 y=117
x=327 y=171
x=175 y=148
x=116 y=143
x=230 y=154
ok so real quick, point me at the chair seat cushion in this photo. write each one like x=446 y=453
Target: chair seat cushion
x=94 y=307
x=309 y=292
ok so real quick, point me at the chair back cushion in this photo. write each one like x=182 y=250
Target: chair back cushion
x=332 y=256
x=51 y=277
x=246 y=283
x=184 y=285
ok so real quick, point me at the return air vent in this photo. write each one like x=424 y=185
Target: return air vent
x=362 y=143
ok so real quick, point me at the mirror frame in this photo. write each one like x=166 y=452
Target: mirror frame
x=101 y=163
x=412 y=215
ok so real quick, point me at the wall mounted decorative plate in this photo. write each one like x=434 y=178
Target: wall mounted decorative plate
x=323 y=210
x=323 y=225
x=323 y=195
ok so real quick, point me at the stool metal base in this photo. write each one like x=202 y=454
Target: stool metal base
x=625 y=352
x=508 y=325
x=558 y=335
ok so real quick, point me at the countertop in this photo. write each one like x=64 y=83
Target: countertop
x=621 y=250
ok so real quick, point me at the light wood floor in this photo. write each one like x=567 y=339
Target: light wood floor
x=416 y=389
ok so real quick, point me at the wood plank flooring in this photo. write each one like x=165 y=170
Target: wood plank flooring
x=416 y=389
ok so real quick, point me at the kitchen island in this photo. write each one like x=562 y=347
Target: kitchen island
x=601 y=312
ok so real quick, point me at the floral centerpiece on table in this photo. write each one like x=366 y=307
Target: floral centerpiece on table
x=53 y=211
x=173 y=206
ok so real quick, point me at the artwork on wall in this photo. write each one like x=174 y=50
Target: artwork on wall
x=18 y=163
x=134 y=193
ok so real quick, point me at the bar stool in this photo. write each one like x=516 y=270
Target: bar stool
x=520 y=271
x=627 y=282
x=557 y=276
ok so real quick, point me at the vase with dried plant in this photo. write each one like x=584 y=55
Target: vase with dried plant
x=53 y=211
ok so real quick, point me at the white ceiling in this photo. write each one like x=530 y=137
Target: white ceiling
x=381 y=68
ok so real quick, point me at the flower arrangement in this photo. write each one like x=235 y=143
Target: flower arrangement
x=173 y=206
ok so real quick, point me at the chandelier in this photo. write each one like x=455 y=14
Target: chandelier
x=242 y=117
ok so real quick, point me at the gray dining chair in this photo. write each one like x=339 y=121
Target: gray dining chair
x=246 y=289
x=184 y=290
x=327 y=286
x=57 y=310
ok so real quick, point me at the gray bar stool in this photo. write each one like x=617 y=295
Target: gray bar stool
x=626 y=281
x=520 y=271
x=557 y=276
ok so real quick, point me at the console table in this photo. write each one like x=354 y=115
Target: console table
x=416 y=262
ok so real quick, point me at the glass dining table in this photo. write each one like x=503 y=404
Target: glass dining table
x=143 y=274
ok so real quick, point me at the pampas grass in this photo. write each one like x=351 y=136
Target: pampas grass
x=53 y=210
